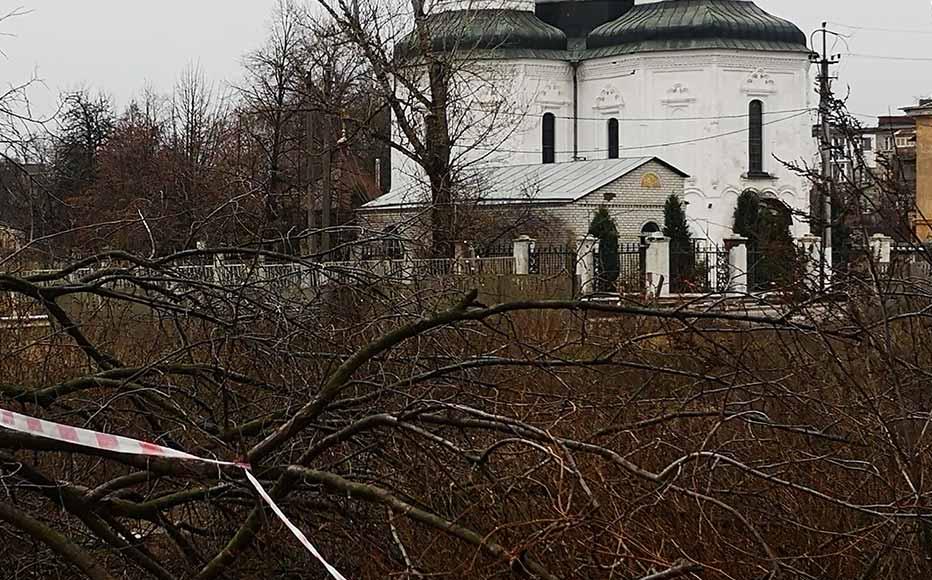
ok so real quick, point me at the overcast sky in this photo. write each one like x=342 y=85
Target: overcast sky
x=120 y=46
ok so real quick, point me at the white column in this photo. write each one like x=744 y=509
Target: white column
x=737 y=264
x=522 y=253
x=810 y=246
x=658 y=265
x=585 y=263
x=882 y=248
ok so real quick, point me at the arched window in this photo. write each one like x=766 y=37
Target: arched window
x=756 y=138
x=613 y=140
x=549 y=138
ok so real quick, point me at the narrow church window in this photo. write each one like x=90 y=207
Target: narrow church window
x=549 y=138
x=613 y=141
x=756 y=138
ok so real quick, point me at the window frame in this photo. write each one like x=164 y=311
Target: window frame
x=548 y=138
x=756 y=139
x=614 y=138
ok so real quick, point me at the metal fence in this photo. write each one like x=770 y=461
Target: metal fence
x=626 y=273
x=282 y=277
x=698 y=267
x=632 y=268
x=497 y=250
x=553 y=260
x=774 y=267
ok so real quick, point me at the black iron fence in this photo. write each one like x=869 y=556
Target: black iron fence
x=698 y=267
x=775 y=266
x=623 y=272
x=553 y=260
x=496 y=250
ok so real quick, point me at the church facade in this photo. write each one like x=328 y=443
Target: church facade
x=720 y=89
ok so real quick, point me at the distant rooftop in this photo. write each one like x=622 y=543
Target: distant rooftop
x=539 y=183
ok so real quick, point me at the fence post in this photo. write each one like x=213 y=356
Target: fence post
x=522 y=252
x=585 y=263
x=218 y=264
x=882 y=248
x=408 y=268
x=460 y=258
x=737 y=264
x=811 y=248
x=658 y=265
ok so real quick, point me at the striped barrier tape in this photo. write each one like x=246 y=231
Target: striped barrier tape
x=128 y=446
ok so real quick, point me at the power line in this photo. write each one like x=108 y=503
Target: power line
x=896 y=58
x=654 y=119
x=877 y=29
x=654 y=146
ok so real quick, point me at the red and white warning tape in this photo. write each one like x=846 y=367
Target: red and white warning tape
x=128 y=446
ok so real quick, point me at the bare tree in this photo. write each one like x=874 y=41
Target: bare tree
x=272 y=104
x=449 y=107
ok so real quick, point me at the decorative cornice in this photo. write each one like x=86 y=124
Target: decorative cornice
x=552 y=94
x=678 y=97
x=759 y=84
x=609 y=101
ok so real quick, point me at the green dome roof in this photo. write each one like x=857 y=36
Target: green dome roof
x=682 y=24
x=501 y=30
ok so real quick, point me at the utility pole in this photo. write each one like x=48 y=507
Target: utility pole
x=825 y=147
x=326 y=189
x=311 y=174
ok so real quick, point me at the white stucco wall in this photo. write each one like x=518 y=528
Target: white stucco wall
x=496 y=118
x=689 y=108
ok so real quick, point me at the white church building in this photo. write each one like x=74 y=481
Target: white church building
x=720 y=90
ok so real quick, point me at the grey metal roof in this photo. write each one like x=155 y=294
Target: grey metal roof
x=683 y=21
x=540 y=183
x=495 y=29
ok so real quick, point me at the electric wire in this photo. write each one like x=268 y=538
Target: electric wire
x=622 y=119
x=879 y=29
x=894 y=58
x=640 y=147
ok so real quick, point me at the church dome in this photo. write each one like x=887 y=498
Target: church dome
x=686 y=24
x=577 y=18
x=501 y=30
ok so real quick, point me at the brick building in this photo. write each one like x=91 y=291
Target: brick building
x=553 y=202
x=922 y=138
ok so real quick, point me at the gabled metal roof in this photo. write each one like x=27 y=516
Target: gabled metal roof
x=540 y=183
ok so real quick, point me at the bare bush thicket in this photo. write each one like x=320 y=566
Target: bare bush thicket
x=411 y=431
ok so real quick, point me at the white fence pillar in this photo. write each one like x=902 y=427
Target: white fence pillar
x=522 y=253
x=461 y=256
x=217 y=270
x=882 y=248
x=585 y=263
x=810 y=246
x=737 y=264
x=658 y=265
